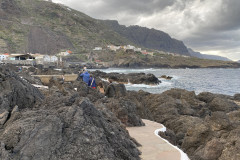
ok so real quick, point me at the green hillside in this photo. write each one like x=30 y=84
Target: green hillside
x=43 y=27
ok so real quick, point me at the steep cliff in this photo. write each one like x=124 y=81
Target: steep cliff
x=149 y=38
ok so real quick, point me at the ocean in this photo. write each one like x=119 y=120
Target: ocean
x=221 y=81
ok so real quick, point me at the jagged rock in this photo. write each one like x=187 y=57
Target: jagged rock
x=115 y=90
x=134 y=78
x=237 y=97
x=211 y=151
x=218 y=121
x=193 y=122
x=232 y=146
x=16 y=91
x=234 y=117
x=125 y=111
x=208 y=97
x=195 y=137
x=3 y=117
x=169 y=135
x=166 y=77
x=220 y=104
x=64 y=132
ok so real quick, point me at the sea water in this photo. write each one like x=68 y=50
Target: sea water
x=221 y=81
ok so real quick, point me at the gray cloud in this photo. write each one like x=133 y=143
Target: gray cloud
x=206 y=26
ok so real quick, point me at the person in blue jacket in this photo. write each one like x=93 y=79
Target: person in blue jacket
x=85 y=75
x=92 y=82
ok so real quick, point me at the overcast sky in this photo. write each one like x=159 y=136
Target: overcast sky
x=208 y=26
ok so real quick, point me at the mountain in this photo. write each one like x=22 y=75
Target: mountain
x=206 y=56
x=44 y=27
x=38 y=26
x=149 y=38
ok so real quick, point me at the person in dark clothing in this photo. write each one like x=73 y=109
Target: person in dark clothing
x=110 y=90
x=92 y=82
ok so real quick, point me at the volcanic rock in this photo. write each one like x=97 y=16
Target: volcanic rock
x=16 y=91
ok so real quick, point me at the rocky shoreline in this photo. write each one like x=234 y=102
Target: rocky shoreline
x=63 y=123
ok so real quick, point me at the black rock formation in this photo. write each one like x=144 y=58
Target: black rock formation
x=64 y=125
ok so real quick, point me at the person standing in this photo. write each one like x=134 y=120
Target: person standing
x=92 y=82
x=85 y=76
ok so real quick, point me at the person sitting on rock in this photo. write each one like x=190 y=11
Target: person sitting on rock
x=92 y=82
x=100 y=87
x=85 y=76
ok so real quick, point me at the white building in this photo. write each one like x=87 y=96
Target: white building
x=130 y=47
x=3 y=57
x=48 y=58
x=114 y=48
x=137 y=49
x=97 y=49
x=66 y=53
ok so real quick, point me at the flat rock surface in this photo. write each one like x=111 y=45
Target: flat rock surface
x=153 y=147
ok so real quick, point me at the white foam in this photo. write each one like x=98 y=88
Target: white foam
x=106 y=80
x=160 y=85
x=183 y=155
x=163 y=129
x=125 y=70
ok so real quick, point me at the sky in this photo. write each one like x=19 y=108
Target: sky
x=207 y=26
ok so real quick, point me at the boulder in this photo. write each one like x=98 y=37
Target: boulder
x=211 y=151
x=166 y=77
x=237 y=97
x=232 y=146
x=115 y=90
x=220 y=104
x=64 y=132
x=134 y=78
x=169 y=135
x=195 y=137
x=125 y=111
x=16 y=91
x=218 y=121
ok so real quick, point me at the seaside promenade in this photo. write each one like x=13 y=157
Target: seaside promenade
x=154 y=147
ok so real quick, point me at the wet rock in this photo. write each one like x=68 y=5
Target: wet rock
x=134 y=78
x=166 y=77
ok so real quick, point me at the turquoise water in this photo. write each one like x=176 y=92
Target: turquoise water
x=222 y=81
